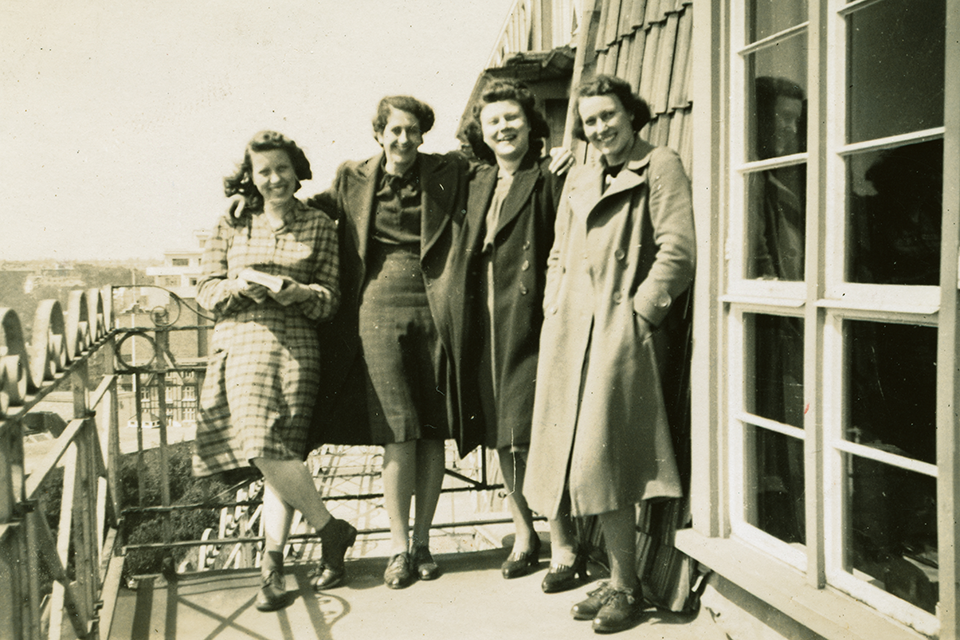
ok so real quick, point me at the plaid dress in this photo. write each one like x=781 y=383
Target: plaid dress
x=262 y=378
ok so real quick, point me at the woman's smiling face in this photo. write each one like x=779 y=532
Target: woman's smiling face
x=400 y=139
x=273 y=175
x=505 y=129
x=607 y=126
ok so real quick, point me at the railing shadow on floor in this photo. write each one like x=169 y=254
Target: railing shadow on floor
x=63 y=524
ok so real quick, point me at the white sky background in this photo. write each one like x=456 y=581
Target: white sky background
x=119 y=118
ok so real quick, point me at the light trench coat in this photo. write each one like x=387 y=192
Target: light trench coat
x=620 y=259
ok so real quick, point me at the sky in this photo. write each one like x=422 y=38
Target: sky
x=119 y=118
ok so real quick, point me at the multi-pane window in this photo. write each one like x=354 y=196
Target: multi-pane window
x=882 y=303
x=833 y=243
x=768 y=228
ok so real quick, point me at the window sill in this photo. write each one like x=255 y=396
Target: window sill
x=828 y=612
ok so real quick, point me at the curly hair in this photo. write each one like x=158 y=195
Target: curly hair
x=604 y=85
x=241 y=181
x=420 y=110
x=507 y=91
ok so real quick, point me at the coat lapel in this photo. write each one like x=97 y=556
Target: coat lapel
x=634 y=174
x=588 y=193
x=524 y=181
x=437 y=185
x=585 y=190
x=481 y=193
x=364 y=192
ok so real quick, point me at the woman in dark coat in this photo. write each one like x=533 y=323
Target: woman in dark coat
x=624 y=251
x=501 y=259
x=385 y=374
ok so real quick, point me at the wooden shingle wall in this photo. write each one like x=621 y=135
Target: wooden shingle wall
x=647 y=43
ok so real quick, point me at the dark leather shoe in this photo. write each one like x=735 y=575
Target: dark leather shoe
x=398 y=574
x=621 y=610
x=272 y=594
x=335 y=538
x=425 y=566
x=328 y=577
x=519 y=564
x=589 y=608
x=563 y=577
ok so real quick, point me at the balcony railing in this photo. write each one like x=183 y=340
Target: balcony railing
x=62 y=566
x=47 y=573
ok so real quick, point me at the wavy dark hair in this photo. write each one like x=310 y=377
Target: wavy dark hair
x=241 y=182
x=604 y=85
x=418 y=109
x=503 y=91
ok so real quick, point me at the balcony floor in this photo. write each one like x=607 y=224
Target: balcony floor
x=469 y=601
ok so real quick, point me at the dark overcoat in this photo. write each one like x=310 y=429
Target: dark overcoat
x=340 y=415
x=521 y=245
x=620 y=259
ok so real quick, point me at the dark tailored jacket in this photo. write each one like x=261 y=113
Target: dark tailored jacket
x=521 y=246
x=340 y=416
x=621 y=260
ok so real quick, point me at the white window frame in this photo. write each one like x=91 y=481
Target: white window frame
x=722 y=299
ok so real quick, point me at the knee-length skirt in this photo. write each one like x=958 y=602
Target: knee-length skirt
x=259 y=391
x=402 y=351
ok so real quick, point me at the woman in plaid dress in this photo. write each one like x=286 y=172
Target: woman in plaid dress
x=261 y=381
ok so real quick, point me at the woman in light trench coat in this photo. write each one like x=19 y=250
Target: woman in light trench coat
x=624 y=251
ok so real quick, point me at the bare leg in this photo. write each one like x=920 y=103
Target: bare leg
x=277 y=516
x=429 y=482
x=620 y=535
x=399 y=478
x=563 y=536
x=292 y=483
x=513 y=466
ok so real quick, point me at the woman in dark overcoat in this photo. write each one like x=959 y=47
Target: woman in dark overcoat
x=384 y=372
x=500 y=257
x=624 y=251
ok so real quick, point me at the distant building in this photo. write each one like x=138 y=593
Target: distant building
x=180 y=271
x=168 y=300
x=59 y=277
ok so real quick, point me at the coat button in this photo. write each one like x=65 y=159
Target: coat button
x=620 y=254
x=664 y=300
x=525 y=265
x=523 y=290
x=617 y=297
x=553 y=311
x=526 y=244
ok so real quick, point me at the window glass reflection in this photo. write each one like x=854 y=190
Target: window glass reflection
x=775 y=484
x=774 y=379
x=777 y=100
x=892 y=387
x=895 y=215
x=892 y=539
x=776 y=221
x=896 y=68
x=767 y=17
